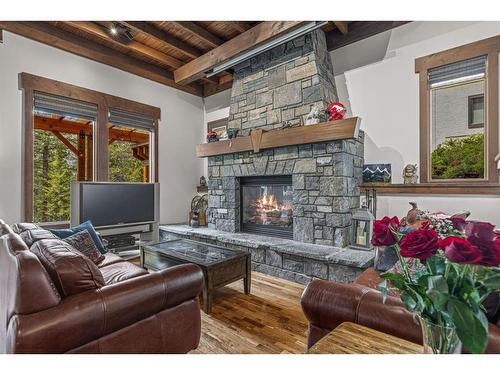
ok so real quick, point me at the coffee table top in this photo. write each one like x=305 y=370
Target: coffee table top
x=195 y=252
x=351 y=338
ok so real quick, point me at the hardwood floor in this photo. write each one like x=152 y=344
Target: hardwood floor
x=269 y=320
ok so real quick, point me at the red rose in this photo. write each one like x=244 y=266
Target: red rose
x=384 y=231
x=420 y=244
x=460 y=250
x=490 y=251
x=480 y=230
x=458 y=222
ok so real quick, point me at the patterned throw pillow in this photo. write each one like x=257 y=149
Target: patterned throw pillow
x=83 y=242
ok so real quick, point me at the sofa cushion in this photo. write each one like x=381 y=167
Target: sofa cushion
x=83 y=242
x=64 y=233
x=21 y=227
x=30 y=236
x=71 y=271
x=110 y=258
x=121 y=271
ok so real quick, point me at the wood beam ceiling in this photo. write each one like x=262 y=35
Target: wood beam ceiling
x=58 y=38
x=254 y=37
x=240 y=26
x=166 y=39
x=139 y=48
x=200 y=33
x=342 y=26
x=359 y=30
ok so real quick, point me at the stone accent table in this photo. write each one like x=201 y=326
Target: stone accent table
x=287 y=259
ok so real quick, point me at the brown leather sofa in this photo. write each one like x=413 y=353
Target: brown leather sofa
x=130 y=311
x=327 y=304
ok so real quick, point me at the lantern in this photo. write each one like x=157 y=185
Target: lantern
x=362 y=223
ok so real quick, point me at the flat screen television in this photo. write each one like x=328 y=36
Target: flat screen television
x=109 y=204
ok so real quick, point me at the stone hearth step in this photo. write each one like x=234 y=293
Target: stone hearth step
x=291 y=260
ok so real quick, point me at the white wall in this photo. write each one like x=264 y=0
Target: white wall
x=376 y=79
x=180 y=127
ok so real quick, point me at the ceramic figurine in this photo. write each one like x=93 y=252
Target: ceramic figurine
x=410 y=174
x=313 y=117
x=414 y=218
x=203 y=181
x=232 y=132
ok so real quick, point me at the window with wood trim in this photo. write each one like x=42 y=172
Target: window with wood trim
x=72 y=133
x=459 y=114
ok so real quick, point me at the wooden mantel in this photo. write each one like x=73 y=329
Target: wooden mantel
x=261 y=140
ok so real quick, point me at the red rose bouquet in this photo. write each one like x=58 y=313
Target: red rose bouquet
x=459 y=271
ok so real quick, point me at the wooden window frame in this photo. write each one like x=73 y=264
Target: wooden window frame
x=470 y=110
x=490 y=48
x=29 y=83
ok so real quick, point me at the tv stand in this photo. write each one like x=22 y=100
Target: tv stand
x=125 y=240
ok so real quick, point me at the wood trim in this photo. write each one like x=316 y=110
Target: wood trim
x=492 y=123
x=254 y=37
x=424 y=132
x=489 y=47
x=342 y=26
x=38 y=83
x=466 y=51
x=327 y=131
x=1 y=36
x=29 y=83
x=27 y=125
x=434 y=188
x=58 y=38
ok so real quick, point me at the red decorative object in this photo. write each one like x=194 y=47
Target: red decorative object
x=337 y=111
x=211 y=136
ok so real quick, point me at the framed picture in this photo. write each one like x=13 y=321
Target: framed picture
x=377 y=174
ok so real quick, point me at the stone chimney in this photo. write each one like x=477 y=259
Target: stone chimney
x=281 y=85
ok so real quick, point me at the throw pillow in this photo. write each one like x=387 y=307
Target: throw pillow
x=71 y=271
x=83 y=242
x=64 y=233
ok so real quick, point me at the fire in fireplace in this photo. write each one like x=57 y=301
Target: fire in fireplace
x=267 y=205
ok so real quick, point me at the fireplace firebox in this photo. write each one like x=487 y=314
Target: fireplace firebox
x=267 y=205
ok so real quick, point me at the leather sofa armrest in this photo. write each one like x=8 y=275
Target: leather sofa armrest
x=327 y=304
x=84 y=317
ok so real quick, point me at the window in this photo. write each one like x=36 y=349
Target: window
x=476 y=111
x=75 y=134
x=459 y=114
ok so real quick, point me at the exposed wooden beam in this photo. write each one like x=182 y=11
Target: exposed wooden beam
x=66 y=142
x=163 y=37
x=359 y=30
x=342 y=26
x=142 y=49
x=254 y=37
x=58 y=38
x=240 y=26
x=200 y=33
x=72 y=127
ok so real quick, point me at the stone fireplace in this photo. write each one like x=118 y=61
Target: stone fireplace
x=275 y=89
x=252 y=195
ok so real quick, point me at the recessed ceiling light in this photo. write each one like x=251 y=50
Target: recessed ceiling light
x=113 y=30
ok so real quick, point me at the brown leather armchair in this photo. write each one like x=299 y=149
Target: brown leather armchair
x=327 y=304
x=135 y=312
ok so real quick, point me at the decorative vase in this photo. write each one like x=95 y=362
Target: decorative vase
x=439 y=339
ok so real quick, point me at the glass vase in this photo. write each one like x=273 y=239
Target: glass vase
x=439 y=339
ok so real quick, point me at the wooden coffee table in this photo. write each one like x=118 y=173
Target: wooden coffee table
x=351 y=338
x=220 y=266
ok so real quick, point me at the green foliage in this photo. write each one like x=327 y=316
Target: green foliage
x=55 y=167
x=459 y=158
x=448 y=294
x=123 y=167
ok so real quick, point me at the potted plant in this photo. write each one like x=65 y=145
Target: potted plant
x=448 y=267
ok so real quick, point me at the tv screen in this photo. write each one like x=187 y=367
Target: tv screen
x=114 y=203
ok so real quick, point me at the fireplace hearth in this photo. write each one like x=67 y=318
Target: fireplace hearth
x=267 y=205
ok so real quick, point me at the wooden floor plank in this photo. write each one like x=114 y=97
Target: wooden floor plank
x=269 y=320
